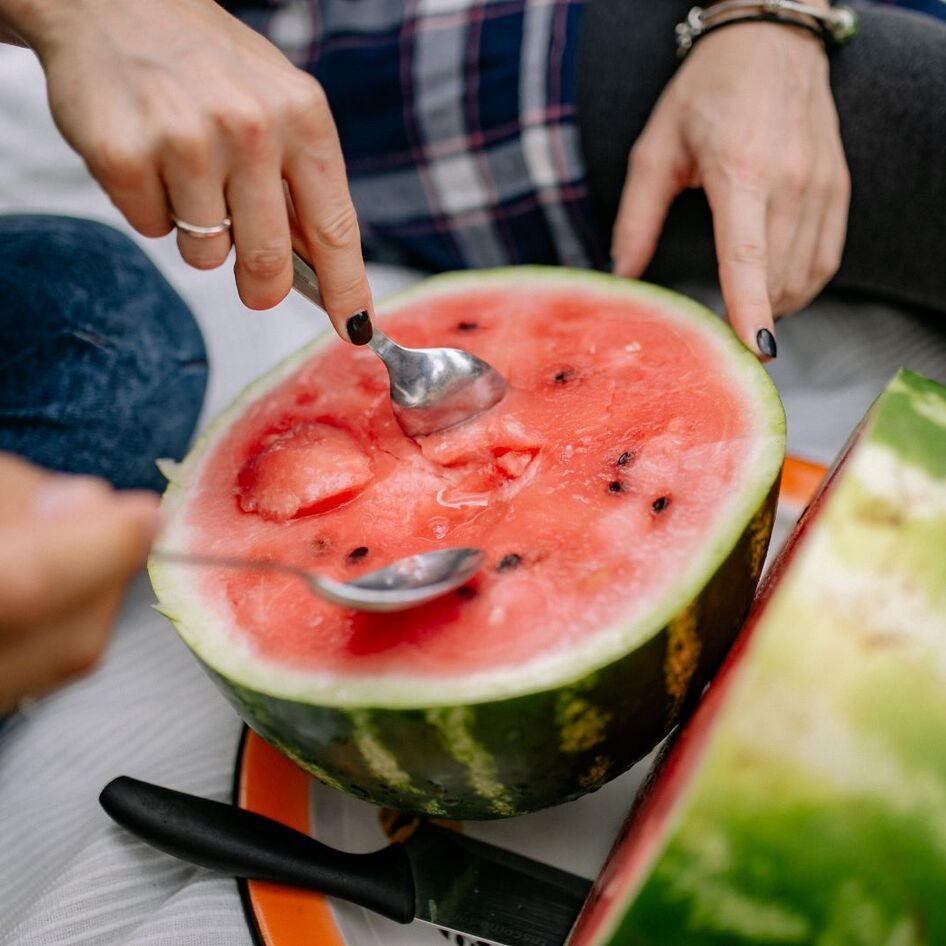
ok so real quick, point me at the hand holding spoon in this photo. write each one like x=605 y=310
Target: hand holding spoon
x=431 y=388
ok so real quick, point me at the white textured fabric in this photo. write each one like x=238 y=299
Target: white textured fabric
x=67 y=875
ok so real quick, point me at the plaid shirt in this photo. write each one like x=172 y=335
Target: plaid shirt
x=457 y=121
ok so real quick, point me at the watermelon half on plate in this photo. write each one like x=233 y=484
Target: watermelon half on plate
x=623 y=492
x=805 y=801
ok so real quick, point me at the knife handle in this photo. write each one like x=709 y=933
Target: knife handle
x=244 y=844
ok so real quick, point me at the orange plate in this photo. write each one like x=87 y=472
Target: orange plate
x=267 y=782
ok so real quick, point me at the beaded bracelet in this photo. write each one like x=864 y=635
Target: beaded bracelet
x=832 y=27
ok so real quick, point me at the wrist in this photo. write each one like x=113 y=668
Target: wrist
x=831 y=25
x=760 y=7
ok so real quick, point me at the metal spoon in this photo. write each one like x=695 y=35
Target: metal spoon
x=431 y=388
x=404 y=584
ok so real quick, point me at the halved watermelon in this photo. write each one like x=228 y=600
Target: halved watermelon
x=623 y=492
x=805 y=802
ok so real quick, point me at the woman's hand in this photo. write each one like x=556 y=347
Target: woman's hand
x=178 y=107
x=748 y=117
x=68 y=546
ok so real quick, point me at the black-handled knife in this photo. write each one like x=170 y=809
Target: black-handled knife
x=438 y=876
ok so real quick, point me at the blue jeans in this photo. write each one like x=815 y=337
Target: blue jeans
x=102 y=367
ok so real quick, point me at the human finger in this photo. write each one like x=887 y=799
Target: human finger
x=326 y=220
x=48 y=655
x=835 y=207
x=780 y=235
x=19 y=479
x=76 y=547
x=261 y=234
x=193 y=171
x=655 y=176
x=813 y=186
x=130 y=175
x=799 y=288
x=782 y=224
x=739 y=222
x=833 y=233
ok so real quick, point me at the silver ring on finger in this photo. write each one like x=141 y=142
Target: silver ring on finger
x=199 y=232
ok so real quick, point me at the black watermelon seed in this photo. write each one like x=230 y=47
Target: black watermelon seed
x=566 y=374
x=625 y=457
x=355 y=555
x=466 y=592
x=615 y=486
x=468 y=326
x=660 y=504
x=512 y=560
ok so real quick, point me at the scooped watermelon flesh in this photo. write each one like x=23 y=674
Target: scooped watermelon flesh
x=277 y=482
x=634 y=457
x=805 y=802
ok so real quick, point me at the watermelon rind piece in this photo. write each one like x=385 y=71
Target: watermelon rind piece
x=504 y=741
x=808 y=798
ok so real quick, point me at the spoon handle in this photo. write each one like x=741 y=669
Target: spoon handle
x=360 y=599
x=333 y=591
x=305 y=282
x=232 y=561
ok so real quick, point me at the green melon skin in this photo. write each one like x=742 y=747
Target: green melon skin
x=816 y=813
x=483 y=759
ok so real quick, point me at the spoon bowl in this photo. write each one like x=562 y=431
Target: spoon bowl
x=405 y=583
x=431 y=388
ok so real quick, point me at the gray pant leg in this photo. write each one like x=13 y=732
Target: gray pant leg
x=889 y=84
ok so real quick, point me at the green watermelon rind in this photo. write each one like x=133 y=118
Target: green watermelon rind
x=816 y=810
x=512 y=742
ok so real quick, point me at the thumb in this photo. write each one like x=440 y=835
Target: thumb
x=78 y=543
x=658 y=169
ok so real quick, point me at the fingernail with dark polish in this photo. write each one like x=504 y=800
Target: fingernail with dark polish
x=766 y=342
x=359 y=328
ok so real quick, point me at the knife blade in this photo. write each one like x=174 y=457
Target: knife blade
x=436 y=875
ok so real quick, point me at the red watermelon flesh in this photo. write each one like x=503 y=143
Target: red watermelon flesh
x=588 y=487
x=277 y=483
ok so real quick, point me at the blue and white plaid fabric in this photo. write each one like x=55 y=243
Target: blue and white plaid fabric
x=457 y=120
